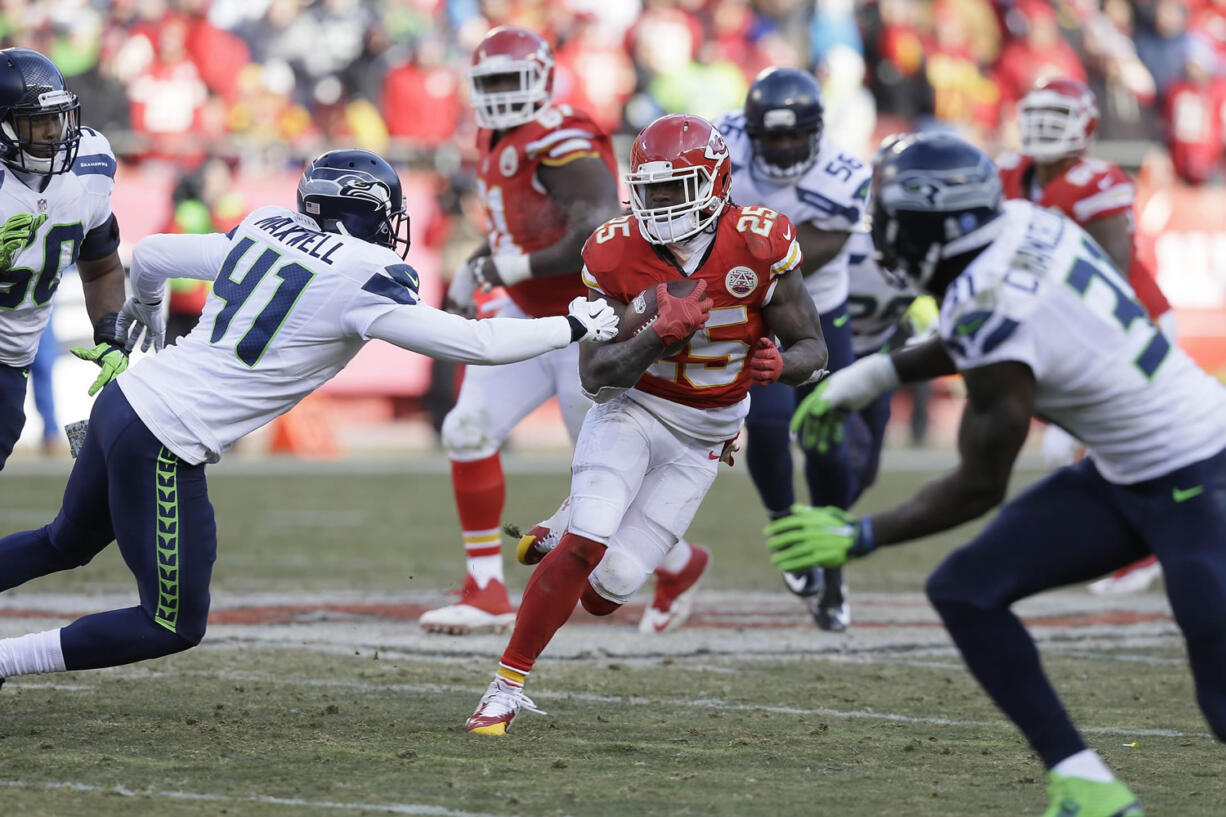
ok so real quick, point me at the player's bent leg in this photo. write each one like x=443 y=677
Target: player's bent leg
x=768 y=451
x=1028 y=547
x=13 y=382
x=82 y=528
x=549 y=599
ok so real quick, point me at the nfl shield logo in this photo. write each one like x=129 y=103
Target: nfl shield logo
x=42 y=205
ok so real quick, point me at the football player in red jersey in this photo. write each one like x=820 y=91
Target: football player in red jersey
x=547 y=175
x=1057 y=120
x=649 y=449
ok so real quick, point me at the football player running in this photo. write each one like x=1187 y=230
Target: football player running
x=1057 y=120
x=782 y=159
x=1038 y=321
x=547 y=175
x=295 y=295
x=55 y=213
x=649 y=449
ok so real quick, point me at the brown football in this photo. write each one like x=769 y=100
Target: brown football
x=642 y=310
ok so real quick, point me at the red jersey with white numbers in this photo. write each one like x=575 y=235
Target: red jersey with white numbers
x=1087 y=191
x=521 y=216
x=753 y=246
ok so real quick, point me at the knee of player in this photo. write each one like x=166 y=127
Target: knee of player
x=595 y=603
x=468 y=435
x=949 y=584
x=618 y=576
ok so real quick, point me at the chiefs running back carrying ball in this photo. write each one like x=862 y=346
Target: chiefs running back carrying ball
x=548 y=178
x=649 y=449
x=1057 y=121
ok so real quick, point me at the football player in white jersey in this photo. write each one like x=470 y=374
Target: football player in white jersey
x=781 y=159
x=295 y=296
x=55 y=213
x=1038 y=321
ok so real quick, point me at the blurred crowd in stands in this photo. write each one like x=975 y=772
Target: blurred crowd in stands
x=264 y=83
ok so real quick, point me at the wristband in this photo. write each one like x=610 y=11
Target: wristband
x=512 y=269
x=866 y=543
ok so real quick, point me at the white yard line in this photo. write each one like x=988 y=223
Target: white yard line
x=296 y=802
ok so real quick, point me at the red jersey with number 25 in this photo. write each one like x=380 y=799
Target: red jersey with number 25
x=753 y=246
x=521 y=216
x=1087 y=191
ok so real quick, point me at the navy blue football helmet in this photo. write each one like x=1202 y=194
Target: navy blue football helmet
x=40 y=119
x=356 y=192
x=934 y=197
x=783 y=119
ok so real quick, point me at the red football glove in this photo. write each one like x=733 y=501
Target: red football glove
x=765 y=364
x=678 y=318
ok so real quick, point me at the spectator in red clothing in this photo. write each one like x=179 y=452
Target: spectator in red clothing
x=594 y=73
x=1194 y=108
x=1039 y=53
x=168 y=97
x=421 y=97
x=217 y=54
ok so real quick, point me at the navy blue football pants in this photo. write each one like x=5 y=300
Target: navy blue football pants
x=769 y=451
x=126 y=486
x=12 y=408
x=1071 y=527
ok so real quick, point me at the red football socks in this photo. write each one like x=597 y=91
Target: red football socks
x=550 y=598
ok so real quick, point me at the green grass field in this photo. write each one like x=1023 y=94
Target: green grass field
x=342 y=706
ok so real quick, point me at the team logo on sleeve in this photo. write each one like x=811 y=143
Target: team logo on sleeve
x=508 y=161
x=741 y=281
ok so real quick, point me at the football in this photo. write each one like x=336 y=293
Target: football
x=642 y=311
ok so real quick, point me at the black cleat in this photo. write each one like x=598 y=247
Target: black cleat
x=831 y=610
x=805 y=583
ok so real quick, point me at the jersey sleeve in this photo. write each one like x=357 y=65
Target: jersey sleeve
x=95 y=166
x=832 y=194
x=984 y=320
x=378 y=289
x=1091 y=190
x=576 y=137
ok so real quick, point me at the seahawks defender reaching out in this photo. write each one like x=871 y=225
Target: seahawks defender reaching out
x=295 y=296
x=1038 y=321
x=55 y=213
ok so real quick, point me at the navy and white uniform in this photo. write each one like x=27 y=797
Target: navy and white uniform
x=79 y=224
x=830 y=196
x=1044 y=295
x=290 y=306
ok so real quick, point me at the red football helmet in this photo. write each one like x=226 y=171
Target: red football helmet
x=1057 y=119
x=680 y=177
x=510 y=53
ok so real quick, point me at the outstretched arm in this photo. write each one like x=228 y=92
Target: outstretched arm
x=999 y=406
x=819 y=246
x=160 y=257
x=444 y=336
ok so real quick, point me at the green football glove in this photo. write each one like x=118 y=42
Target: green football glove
x=16 y=234
x=816 y=425
x=817 y=537
x=113 y=360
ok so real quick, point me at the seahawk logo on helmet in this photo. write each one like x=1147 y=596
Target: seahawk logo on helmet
x=934 y=197
x=356 y=192
x=40 y=119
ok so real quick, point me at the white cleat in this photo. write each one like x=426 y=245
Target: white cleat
x=498 y=708
x=480 y=610
x=674 y=599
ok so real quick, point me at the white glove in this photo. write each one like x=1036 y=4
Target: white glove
x=137 y=317
x=853 y=388
x=597 y=317
x=461 y=290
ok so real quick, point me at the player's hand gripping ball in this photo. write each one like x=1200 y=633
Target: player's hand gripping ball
x=674 y=310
